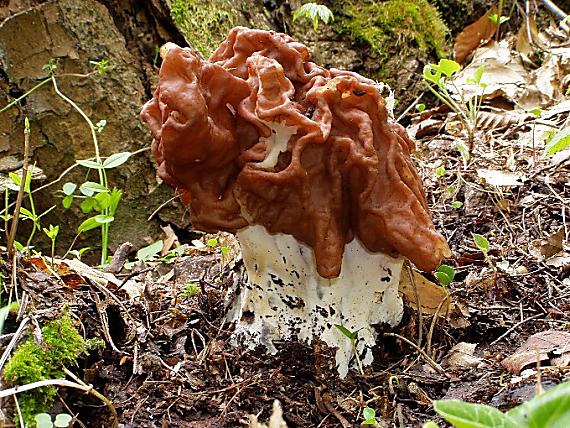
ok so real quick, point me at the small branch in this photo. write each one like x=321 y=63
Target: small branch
x=426 y=357
x=514 y=327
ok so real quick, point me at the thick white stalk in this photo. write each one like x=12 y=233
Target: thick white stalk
x=285 y=298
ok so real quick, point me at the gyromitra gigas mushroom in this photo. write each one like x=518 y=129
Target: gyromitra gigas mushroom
x=306 y=167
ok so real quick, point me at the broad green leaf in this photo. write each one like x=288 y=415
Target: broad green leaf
x=440 y=171
x=448 y=67
x=443 y=278
x=116 y=195
x=89 y=224
x=456 y=204
x=448 y=270
x=460 y=145
x=89 y=164
x=561 y=141
x=369 y=413
x=481 y=242
x=69 y=188
x=431 y=74
x=67 y=201
x=89 y=188
x=467 y=415
x=26 y=214
x=420 y=107
x=148 y=252
x=17 y=180
x=104 y=219
x=116 y=159
x=550 y=409
x=212 y=242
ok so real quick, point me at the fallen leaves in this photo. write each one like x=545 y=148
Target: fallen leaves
x=474 y=36
x=549 y=345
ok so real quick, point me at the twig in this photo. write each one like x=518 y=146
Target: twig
x=14 y=341
x=161 y=206
x=514 y=327
x=426 y=357
x=20 y=197
x=418 y=303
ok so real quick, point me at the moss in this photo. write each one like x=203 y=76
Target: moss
x=61 y=346
x=205 y=23
x=390 y=27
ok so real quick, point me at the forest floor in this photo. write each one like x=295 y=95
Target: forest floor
x=169 y=361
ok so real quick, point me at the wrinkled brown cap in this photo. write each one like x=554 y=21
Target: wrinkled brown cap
x=258 y=134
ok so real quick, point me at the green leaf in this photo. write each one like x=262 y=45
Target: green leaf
x=116 y=159
x=476 y=77
x=67 y=201
x=536 y=111
x=89 y=224
x=448 y=67
x=550 y=409
x=468 y=415
x=116 y=195
x=43 y=420
x=62 y=420
x=440 y=171
x=448 y=270
x=89 y=188
x=456 y=204
x=4 y=311
x=346 y=331
x=52 y=232
x=104 y=219
x=87 y=205
x=69 y=188
x=26 y=214
x=148 y=252
x=443 y=278
x=430 y=424
x=481 y=242
x=89 y=164
x=431 y=74
x=369 y=414
x=460 y=145
x=212 y=242
x=560 y=141
x=103 y=199
x=420 y=107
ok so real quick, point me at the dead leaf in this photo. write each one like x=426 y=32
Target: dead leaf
x=473 y=36
x=169 y=240
x=462 y=355
x=501 y=178
x=431 y=297
x=496 y=119
x=549 y=345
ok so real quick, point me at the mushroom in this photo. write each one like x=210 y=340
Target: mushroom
x=306 y=167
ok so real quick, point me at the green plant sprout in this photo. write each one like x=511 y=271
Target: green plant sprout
x=483 y=245
x=420 y=107
x=52 y=233
x=353 y=337
x=191 y=289
x=314 y=12
x=369 y=416
x=445 y=275
x=436 y=77
x=559 y=141
x=550 y=409
x=97 y=196
x=456 y=204
x=440 y=171
x=497 y=19
x=62 y=420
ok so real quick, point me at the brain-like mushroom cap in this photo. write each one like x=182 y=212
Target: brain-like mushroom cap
x=258 y=134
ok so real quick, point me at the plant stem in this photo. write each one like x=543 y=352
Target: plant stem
x=20 y=197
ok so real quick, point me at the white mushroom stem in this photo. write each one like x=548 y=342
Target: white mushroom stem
x=284 y=297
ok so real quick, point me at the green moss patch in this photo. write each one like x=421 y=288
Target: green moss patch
x=61 y=346
x=394 y=25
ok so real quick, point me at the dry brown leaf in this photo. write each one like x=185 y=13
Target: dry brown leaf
x=463 y=355
x=431 y=296
x=489 y=120
x=550 y=345
x=473 y=36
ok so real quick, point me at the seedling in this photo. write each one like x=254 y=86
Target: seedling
x=483 y=244
x=437 y=76
x=62 y=420
x=191 y=289
x=52 y=233
x=369 y=416
x=440 y=171
x=314 y=12
x=445 y=275
x=420 y=107
x=456 y=204
x=353 y=337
